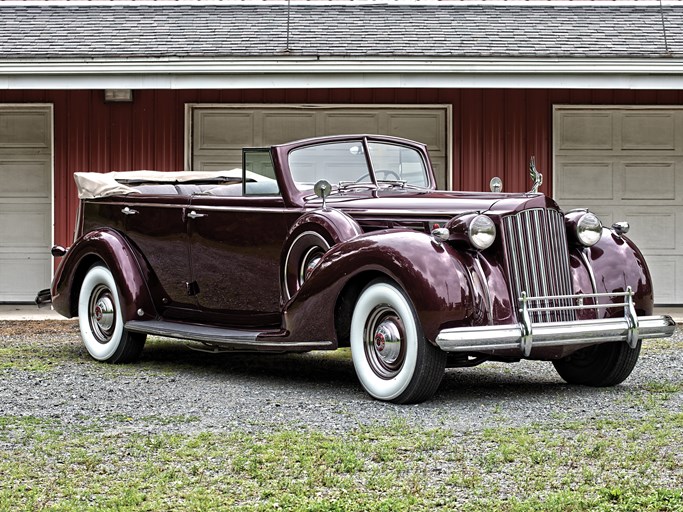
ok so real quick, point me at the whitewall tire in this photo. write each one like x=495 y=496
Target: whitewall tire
x=392 y=359
x=101 y=322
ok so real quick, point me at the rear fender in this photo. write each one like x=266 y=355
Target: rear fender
x=130 y=272
x=432 y=275
x=317 y=230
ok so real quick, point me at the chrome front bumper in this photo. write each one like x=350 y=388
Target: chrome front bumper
x=526 y=335
x=554 y=334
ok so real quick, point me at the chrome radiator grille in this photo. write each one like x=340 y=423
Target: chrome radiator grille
x=538 y=262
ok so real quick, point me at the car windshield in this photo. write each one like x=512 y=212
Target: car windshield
x=345 y=164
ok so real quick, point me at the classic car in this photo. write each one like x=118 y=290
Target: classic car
x=345 y=241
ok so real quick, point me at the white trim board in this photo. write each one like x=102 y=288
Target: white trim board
x=323 y=72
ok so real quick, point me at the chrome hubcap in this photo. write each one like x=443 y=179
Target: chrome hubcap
x=102 y=314
x=384 y=342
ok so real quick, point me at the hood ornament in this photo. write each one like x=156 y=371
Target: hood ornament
x=536 y=176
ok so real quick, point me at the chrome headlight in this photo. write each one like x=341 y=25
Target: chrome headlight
x=477 y=230
x=588 y=229
x=481 y=232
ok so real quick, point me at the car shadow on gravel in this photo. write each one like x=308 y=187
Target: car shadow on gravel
x=334 y=370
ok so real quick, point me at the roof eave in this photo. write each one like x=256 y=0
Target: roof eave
x=288 y=71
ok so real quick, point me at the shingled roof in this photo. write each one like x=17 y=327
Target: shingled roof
x=186 y=44
x=149 y=30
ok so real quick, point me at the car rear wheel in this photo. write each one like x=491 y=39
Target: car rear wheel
x=303 y=256
x=101 y=322
x=393 y=360
x=603 y=365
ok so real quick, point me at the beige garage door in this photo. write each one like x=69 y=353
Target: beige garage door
x=25 y=201
x=626 y=164
x=218 y=133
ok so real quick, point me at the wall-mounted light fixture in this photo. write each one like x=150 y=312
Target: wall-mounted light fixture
x=118 y=95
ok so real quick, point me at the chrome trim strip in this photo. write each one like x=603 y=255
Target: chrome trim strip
x=589 y=268
x=487 y=338
x=196 y=206
x=478 y=269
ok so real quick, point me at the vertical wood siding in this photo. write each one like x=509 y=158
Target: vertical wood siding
x=495 y=132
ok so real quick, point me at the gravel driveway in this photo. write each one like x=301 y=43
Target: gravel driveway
x=227 y=392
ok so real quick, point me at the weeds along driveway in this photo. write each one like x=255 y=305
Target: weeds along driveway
x=223 y=431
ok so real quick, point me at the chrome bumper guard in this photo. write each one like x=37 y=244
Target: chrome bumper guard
x=527 y=335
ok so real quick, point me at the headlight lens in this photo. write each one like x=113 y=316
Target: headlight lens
x=588 y=229
x=482 y=232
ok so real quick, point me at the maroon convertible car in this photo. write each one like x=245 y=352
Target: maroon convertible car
x=344 y=241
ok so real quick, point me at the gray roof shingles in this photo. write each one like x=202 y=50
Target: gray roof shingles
x=342 y=30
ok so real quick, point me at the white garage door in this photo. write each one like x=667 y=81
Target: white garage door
x=627 y=164
x=219 y=132
x=25 y=201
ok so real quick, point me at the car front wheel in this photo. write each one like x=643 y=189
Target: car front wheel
x=101 y=322
x=603 y=365
x=393 y=360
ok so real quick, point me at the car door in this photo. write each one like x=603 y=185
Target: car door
x=235 y=245
x=157 y=227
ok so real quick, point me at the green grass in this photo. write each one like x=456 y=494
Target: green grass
x=140 y=462
x=624 y=466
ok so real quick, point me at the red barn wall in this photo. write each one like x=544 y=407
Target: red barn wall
x=495 y=131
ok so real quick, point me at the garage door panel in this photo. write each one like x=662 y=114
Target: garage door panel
x=349 y=122
x=24 y=178
x=232 y=160
x=223 y=130
x=24 y=226
x=649 y=181
x=647 y=131
x=585 y=180
x=427 y=128
x=666 y=272
x=652 y=229
x=585 y=131
x=21 y=276
x=20 y=128
x=284 y=127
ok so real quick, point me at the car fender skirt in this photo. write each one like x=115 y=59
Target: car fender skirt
x=433 y=276
x=129 y=270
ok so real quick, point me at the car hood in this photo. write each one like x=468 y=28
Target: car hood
x=431 y=203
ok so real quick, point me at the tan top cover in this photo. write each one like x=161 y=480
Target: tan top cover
x=91 y=185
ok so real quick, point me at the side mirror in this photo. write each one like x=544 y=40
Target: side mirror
x=322 y=189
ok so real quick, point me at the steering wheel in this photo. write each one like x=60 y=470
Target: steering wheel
x=385 y=172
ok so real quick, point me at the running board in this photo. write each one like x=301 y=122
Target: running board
x=237 y=339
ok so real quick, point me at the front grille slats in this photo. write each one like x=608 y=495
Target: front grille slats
x=538 y=261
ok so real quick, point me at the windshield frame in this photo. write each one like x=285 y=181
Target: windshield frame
x=369 y=177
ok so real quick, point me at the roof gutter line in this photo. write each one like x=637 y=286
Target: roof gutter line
x=315 y=66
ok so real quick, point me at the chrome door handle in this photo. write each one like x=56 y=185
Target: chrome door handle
x=128 y=211
x=194 y=215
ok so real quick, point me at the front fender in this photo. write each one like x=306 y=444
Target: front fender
x=130 y=272
x=432 y=275
x=615 y=263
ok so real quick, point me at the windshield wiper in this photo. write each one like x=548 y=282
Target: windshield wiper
x=399 y=184
x=346 y=185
